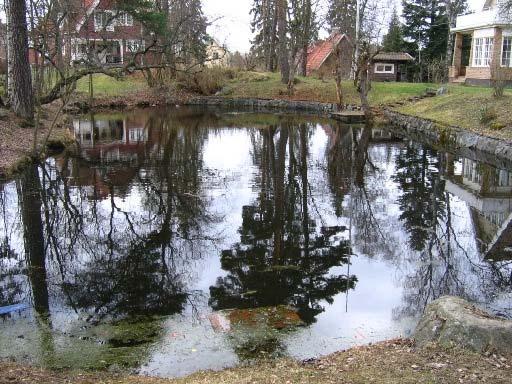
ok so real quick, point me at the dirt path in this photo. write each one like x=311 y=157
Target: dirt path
x=390 y=362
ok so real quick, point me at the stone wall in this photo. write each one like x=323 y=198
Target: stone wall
x=453 y=139
x=264 y=104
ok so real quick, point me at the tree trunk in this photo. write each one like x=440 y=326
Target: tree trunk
x=306 y=37
x=338 y=77
x=452 y=17
x=21 y=96
x=282 y=7
x=273 y=40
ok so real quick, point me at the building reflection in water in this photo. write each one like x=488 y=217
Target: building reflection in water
x=136 y=228
x=488 y=192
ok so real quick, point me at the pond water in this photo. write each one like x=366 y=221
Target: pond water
x=188 y=239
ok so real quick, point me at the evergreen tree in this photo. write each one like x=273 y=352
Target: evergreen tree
x=427 y=25
x=415 y=14
x=264 y=25
x=394 y=40
x=189 y=26
x=341 y=16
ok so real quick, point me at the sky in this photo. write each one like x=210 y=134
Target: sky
x=231 y=21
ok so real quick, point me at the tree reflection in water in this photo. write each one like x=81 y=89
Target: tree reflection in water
x=284 y=257
x=123 y=230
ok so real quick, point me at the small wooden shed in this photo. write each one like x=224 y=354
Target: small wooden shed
x=322 y=56
x=391 y=66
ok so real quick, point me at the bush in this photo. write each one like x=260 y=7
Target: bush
x=206 y=82
x=487 y=115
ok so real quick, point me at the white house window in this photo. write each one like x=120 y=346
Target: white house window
x=103 y=21
x=506 y=52
x=137 y=135
x=124 y=19
x=384 y=68
x=482 y=51
x=135 y=45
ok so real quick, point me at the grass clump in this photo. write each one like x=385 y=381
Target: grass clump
x=206 y=82
x=487 y=114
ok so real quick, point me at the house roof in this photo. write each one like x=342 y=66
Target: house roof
x=393 y=56
x=321 y=50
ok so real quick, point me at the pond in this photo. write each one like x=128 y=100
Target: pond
x=177 y=240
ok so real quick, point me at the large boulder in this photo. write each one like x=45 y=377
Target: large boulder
x=452 y=321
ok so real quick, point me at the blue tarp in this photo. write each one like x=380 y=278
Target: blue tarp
x=12 y=308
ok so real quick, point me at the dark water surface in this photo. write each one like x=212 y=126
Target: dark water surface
x=182 y=240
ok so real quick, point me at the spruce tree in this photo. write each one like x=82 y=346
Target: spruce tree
x=264 y=26
x=341 y=16
x=394 y=40
x=426 y=25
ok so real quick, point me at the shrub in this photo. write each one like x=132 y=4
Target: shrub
x=207 y=81
x=487 y=114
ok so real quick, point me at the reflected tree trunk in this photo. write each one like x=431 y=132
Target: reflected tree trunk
x=34 y=238
x=361 y=156
x=279 y=175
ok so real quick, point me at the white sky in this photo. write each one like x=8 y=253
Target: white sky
x=231 y=21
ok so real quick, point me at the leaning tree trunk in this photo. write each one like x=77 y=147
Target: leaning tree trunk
x=21 y=95
x=282 y=7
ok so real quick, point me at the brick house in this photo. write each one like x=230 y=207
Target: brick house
x=483 y=46
x=95 y=30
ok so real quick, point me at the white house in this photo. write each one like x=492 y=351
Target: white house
x=490 y=33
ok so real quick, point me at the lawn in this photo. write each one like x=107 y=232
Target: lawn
x=106 y=86
x=269 y=86
x=265 y=86
x=465 y=106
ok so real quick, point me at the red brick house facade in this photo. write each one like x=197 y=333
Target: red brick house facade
x=96 y=31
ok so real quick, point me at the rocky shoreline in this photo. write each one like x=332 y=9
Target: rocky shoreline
x=451 y=138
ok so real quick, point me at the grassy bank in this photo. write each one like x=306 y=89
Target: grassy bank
x=389 y=362
x=472 y=108
x=260 y=85
x=269 y=86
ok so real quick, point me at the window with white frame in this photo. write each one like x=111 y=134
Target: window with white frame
x=103 y=20
x=506 y=52
x=124 y=19
x=482 y=51
x=135 y=45
x=384 y=68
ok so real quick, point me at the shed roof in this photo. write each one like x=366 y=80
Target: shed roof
x=393 y=56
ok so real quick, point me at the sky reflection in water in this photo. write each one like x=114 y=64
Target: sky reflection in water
x=181 y=240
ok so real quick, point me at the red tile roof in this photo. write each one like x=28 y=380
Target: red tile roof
x=321 y=50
